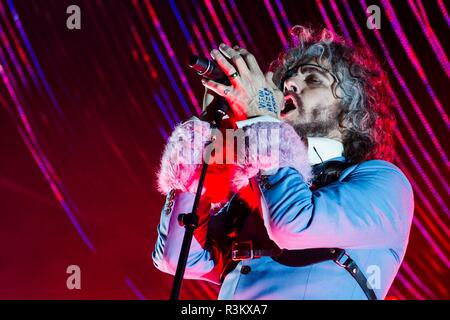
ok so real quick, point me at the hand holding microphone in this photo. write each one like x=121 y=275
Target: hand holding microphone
x=214 y=106
x=238 y=78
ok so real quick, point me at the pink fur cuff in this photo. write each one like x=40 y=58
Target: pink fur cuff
x=271 y=145
x=182 y=157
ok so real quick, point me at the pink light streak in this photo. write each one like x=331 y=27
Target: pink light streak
x=217 y=22
x=204 y=24
x=241 y=22
x=276 y=23
x=170 y=52
x=412 y=100
x=233 y=25
x=325 y=16
x=406 y=147
x=341 y=20
x=390 y=13
x=412 y=158
x=430 y=35
x=284 y=16
x=444 y=12
x=44 y=165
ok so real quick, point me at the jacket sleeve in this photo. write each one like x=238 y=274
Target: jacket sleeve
x=370 y=206
x=203 y=263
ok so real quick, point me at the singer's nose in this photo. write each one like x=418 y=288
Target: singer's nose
x=290 y=85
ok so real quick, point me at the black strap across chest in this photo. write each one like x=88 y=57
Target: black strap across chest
x=238 y=212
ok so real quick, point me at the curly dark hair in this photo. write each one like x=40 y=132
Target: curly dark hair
x=367 y=119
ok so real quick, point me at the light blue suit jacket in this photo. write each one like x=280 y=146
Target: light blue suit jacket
x=368 y=212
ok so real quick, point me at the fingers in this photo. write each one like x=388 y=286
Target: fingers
x=240 y=58
x=269 y=80
x=220 y=89
x=227 y=93
x=235 y=58
x=226 y=66
x=249 y=59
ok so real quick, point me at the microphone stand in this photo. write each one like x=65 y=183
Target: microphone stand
x=190 y=220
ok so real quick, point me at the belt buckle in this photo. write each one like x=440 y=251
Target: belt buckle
x=242 y=250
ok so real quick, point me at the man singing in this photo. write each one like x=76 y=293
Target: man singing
x=330 y=217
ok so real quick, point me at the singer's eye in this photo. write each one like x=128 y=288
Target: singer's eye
x=312 y=79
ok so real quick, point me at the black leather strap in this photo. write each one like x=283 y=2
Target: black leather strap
x=306 y=257
x=350 y=265
x=324 y=174
x=244 y=251
x=327 y=173
x=300 y=258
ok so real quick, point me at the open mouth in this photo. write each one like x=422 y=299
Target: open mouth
x=289 y=105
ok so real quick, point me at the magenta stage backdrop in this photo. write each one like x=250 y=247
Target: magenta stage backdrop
x=84 y=115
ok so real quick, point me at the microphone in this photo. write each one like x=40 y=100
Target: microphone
x=206 y=68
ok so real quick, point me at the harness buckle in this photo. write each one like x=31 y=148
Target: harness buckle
x=242 y=250
x=338 y=259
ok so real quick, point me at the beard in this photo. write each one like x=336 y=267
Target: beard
x=318 y=125
x=316 y=128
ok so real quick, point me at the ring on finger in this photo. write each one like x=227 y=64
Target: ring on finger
x=233 y=75
x=226 y=91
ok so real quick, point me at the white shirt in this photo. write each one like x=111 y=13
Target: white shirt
x=326 y=148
